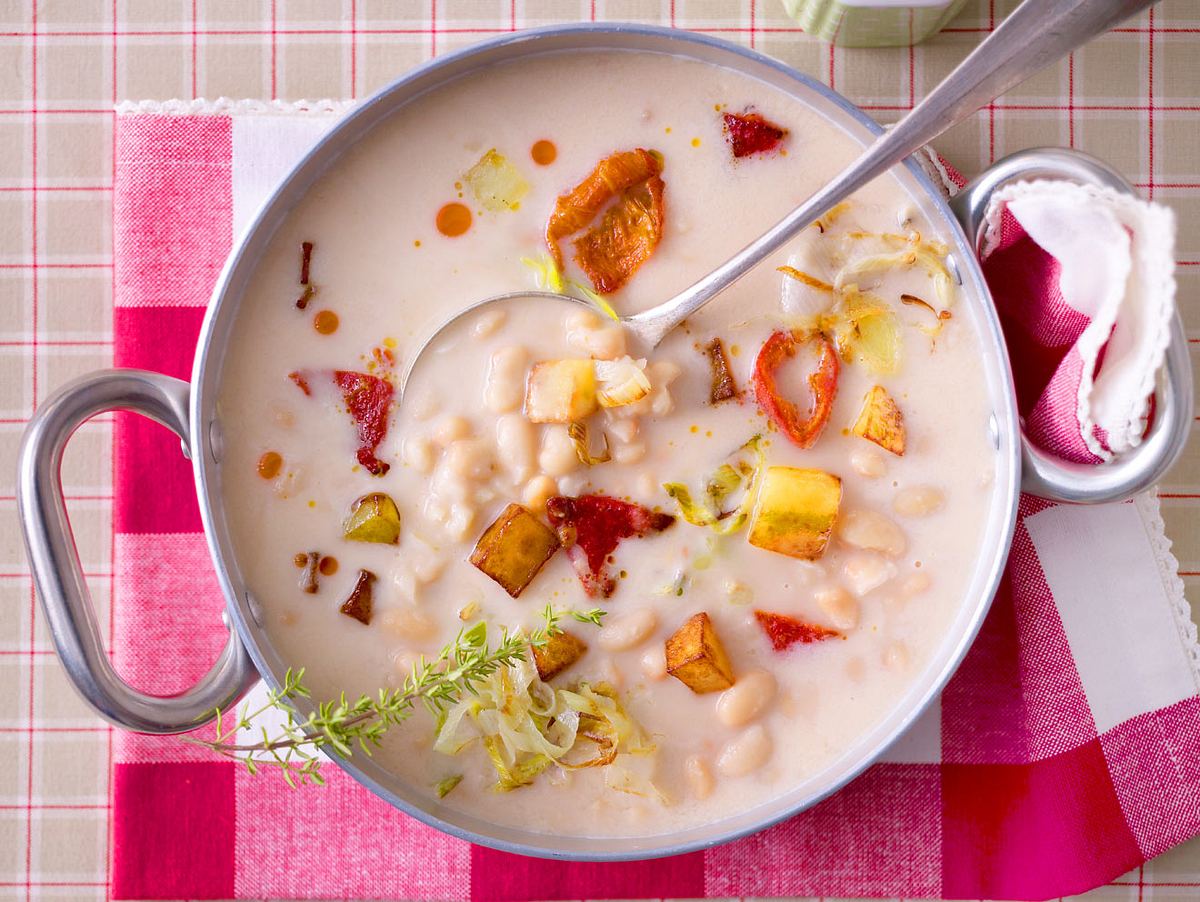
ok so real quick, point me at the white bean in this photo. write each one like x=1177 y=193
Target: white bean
x=871 y=529
x=462 y=518
x=746 y=699
x=410 y=624
x=630 y=453
x=624 y=430
x=516 y=441
x=918 y=501
x=450 y=429
x=627 y=630
x=417 y=452
x=654 y=663
x=868 y=462
x=558 y=456
x=579 y=320
x=916 y=583
x=895 y=657
x=488 y=322
x=537 y=492
x=421 y=402
x=839 y=606
x=469 y=459
x=699 y=777
x=612 y=674
x=504 y=388
x=605 y=343
x=745 y=753
x=647 y=484
x=865 y=571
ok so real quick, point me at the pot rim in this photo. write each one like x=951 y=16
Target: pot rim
x=240 y=606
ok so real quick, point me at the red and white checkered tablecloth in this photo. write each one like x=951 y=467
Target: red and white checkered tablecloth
x=1132 y=98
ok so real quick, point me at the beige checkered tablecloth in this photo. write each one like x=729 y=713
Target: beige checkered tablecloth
x=1132 y=98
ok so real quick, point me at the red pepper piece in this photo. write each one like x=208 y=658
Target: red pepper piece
x=301 y=381
x=627 y=235
x=785 y=631
x=777 y=350
x=369 y=400
x=751 y=133
x=591 y=526
x=629 y=231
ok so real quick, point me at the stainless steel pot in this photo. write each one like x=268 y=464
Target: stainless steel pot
x=189 y=410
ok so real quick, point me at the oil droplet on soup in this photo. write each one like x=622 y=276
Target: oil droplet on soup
x=325 y=322
x=269 y=464
x=543 y=152
x=453 y=220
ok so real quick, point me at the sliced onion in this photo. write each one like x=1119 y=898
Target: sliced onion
x=621 y=382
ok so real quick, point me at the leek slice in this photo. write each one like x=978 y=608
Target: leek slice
x=741 y=471
x=621 y=382
x=496 y=183
x=527 y=726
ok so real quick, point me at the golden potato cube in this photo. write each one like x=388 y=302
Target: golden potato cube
x=561 y=391
x=795 y=511
x=696 y=657
x=558 y=653
x=880 y=421
x=513 y=549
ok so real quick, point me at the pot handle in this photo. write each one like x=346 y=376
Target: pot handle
x=1136 y=470
x=54 y=559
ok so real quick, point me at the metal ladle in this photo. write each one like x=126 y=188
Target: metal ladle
x=1037 y=33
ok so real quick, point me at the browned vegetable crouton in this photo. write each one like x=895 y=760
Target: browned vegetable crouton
x=696 y=657
x=723 y=386
x=360 y=604
x=881 y=421
x=513 y=549
x=557 y=653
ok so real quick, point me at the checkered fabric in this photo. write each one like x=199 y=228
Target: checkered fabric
x=1130 y=98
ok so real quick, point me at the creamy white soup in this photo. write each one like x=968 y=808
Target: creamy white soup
x=776 y=511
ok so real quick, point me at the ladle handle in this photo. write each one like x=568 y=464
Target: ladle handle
x=1036 y=34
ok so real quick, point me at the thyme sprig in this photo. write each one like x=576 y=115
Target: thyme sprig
x=338 y=726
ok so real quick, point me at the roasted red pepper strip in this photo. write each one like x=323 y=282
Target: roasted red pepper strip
x=776 y=351
x=591 y=526
x=627 y=235
x=751 y=133
x=369 y=400
x=579 y=206
x=784 y=631
x=301 y=381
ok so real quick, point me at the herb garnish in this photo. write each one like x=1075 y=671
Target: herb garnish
x=338 y=726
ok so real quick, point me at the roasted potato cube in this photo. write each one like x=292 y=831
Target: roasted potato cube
x=513 y=549
x=795 y=511
x=560 y=391
x=696 y=657
x=373 y=518
x=558 y=653
x=880 y=421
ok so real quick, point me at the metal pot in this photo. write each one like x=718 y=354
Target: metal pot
x=190 y=411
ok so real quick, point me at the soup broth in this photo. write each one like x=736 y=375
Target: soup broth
x=826 y=575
